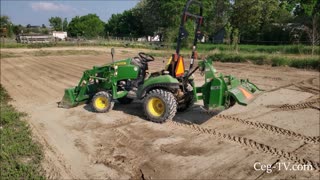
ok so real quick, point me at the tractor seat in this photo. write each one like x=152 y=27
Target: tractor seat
x=137 y=62
x=143 y=66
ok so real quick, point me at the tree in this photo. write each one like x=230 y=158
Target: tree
x=126 y=24
x=56 y=23
x=89 y=26
x=4 y=21
x=17 y=29
x=309 y=13
x=251 y=17
x=6 y=26
x=228 y=30
x=43 y=26
x=65 y=24
x=149 y=14
x=217 y=14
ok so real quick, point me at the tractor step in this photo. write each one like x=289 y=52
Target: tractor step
x=132 y=94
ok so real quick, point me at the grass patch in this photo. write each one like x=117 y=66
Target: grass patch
x=261 y=59
x=64 y=52
x=13 y=45
x=276 y=49
x=20 y=156
x=202 y=47
x=8 y=55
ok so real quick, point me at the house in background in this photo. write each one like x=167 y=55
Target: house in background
x=60 y=35
x=218 y=37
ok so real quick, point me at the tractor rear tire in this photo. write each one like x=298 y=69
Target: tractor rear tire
x=102 y=102
x=160 y=105
x=125 y=100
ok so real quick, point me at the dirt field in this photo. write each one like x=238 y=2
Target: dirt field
x=280 y=126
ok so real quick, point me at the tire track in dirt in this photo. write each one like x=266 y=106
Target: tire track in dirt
x=54 y=161
x=291 y=107
x=34 y=71
x=97 y=126
x=19 y=76
x=70 y=64
x=52 y=83
x=7 y=82
x=270 y=77
x=129 y=163
x=308 y=89
x=280 y=87
x=288 y=85
x=61 y=72
x=46 y=68
x=271 y=128
x=58 y=67
x=246 y=142
x=306 y=86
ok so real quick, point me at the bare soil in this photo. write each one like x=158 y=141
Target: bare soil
x=281 y=125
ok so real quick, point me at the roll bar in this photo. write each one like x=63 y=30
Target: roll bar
x=185 y=15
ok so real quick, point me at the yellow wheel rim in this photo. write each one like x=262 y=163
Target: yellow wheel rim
x=156 y=107
x=101 y=102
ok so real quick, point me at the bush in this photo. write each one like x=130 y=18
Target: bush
x=41 y=45
x=279 y=61
x=307 y=63
x=278 y=49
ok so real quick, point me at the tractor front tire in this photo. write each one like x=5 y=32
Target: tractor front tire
x=102 y=102
x=160 y=105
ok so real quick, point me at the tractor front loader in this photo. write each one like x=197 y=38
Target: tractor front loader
x=165 y=92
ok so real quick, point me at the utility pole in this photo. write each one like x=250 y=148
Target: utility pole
x=62 y=24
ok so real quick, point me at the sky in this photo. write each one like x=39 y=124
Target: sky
x=38 y=12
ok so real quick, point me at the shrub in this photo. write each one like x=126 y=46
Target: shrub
x=308 y=63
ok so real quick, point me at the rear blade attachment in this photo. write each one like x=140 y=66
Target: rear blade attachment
x=245 y=92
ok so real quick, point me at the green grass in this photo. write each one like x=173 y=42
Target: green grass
x=8 y=55
x=276 y=49
x=20 y=156
x=308 y=62
x=13 y=45
x=64 y=52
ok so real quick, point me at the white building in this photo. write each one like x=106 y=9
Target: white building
x=60 y=35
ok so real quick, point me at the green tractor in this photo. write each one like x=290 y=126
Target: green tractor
x=165 y=92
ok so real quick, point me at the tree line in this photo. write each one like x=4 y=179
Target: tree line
x=247 y=21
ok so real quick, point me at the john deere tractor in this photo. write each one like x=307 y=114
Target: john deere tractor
x=164 y=92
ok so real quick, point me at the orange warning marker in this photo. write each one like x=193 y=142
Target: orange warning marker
x=246 y=93
x=180 y=67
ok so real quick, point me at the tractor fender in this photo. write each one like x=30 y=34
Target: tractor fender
x=166 y=82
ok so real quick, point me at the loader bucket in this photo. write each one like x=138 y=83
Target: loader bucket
x=244 y=92
x=69 y=99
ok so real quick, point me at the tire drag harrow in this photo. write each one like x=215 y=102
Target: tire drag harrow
x=272 y=129
x=246 y=142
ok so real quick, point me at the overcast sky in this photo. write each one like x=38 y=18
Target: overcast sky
x=38 y=12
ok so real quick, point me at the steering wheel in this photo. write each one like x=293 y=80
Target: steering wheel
x=146 y=57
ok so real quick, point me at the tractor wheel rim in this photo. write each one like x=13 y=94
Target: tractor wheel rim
x=156 y=107
x=101 y=102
